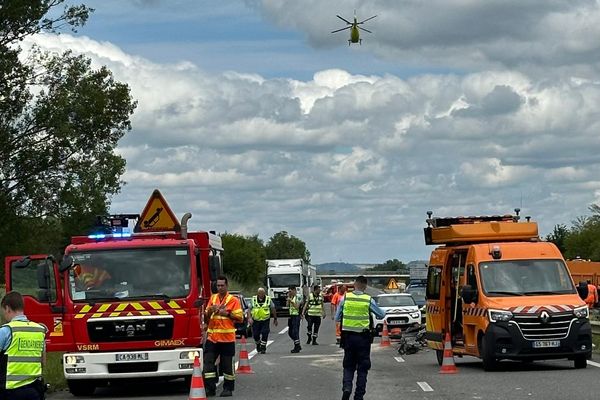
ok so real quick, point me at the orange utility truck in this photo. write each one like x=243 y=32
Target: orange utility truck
x=502 y=293
x=584 y=270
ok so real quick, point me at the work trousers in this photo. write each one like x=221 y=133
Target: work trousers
x=226 y=353
x=294 y=329
x=357 y=357
x=32 y=391
x=260 y=332
x=314 y=322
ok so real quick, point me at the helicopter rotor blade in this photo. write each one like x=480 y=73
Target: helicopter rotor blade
x=363 y=29
x=344 y=19
x=343 y=29
x=362 y=22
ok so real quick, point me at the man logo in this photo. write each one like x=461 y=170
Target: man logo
x=545 y=317
x=130 y=329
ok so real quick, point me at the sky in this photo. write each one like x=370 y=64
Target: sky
x=256 y=119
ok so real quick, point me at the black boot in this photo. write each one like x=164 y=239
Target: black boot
x=296 y=348
x=314 y=341
x=309 y=338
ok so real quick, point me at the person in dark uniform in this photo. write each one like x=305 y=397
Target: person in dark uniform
x=354 y=313
x=22 y=352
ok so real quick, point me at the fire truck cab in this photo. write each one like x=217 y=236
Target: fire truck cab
x=500 y=292
x=123 y=304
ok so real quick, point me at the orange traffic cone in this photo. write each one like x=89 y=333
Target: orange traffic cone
x=448 y=366
x=197 y=391
x=385 y=339
x=244 y=362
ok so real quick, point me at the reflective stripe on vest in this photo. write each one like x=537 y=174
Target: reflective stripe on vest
x=261 y=313
x=314 y=305
x=355 y=314
x=24 y=355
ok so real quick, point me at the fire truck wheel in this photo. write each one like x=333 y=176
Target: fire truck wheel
x=486 y=351
x=81 y=387
x=580 y=361
x=439 y=354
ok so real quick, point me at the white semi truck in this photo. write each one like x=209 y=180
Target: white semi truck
x=281 y=274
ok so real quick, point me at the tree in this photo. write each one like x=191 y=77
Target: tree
x=558 y=236
x=390 y=265
x=60 y=121
x=243 y=258
x=282 y=245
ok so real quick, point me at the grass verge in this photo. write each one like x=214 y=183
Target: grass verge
x=53 y=373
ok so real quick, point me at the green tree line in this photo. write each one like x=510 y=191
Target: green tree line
x=581 y=238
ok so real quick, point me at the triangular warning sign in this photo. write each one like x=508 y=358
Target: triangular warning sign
x=392 y=284
x=157 y=216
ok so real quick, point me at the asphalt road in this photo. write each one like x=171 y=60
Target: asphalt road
x=315 y=374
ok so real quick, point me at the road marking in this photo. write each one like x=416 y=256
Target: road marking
x=425 y=386
x=595 y=364
x=399 y=359
x=250 y=355
x=314 y=356
x=284 y=330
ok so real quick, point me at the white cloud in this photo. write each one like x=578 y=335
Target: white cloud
x=351 y=163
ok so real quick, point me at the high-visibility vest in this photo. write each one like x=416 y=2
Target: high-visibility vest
x=592 y=297
x=261 y=312
x=295 y=305
x=221 y=329
x=24 y=354
x=315 y=305
x=355 y=314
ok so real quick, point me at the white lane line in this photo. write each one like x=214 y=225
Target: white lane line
x=399 y=359
x=425 y=386
x=250 y=355
x=284 y=330
x=594 y=364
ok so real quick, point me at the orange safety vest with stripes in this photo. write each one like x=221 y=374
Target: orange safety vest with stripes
x=221 y=329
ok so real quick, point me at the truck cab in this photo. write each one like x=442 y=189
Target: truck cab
x=281 y=274
x=122 y=304
x=499 y=292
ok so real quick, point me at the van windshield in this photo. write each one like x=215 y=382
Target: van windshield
x=525 y=278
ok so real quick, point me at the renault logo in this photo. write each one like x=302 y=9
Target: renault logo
x=545 y=317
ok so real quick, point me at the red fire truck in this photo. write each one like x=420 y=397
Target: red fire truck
x=120 y=304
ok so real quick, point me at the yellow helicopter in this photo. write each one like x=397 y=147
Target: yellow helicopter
x=354 y=28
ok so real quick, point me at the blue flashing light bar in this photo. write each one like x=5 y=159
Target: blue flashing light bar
x=124 y=233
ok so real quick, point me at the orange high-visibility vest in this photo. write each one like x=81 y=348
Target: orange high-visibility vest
x=592 y=297
x=221 y=329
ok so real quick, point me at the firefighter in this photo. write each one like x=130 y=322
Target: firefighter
x=314 y=311
x=222 y=311
x=335 y=300
x=354 y=312
x=259 y=317
x=294 y=303
x=22 y=345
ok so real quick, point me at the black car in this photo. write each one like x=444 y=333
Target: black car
x=242 y=328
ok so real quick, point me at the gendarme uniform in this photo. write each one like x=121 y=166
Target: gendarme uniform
x=354 y=312
x=261 y=321
x=314 y=313
x=23 y=344
x=294 y=321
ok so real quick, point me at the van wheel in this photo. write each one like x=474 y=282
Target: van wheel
x=580 y=361
x=81 y=387
x=439 y=354
x=486 y=352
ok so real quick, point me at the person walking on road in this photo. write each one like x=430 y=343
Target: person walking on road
x=22 y=346
x=354 y=312
x=294 y=303
x=259 y=317
x=314 y=311
x=335 y=300
x=592 y=297
x=222 y=311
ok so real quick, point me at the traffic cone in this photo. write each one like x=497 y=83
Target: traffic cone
x=385 y=339
x=244 y=362
x=197 y=391
x=448 y=366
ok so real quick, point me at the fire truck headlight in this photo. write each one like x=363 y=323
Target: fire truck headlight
x=189 y=355
x=582 y=312
x=74 y=360
x=499 y=315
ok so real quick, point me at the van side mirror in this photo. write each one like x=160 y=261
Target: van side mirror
x=468 y=294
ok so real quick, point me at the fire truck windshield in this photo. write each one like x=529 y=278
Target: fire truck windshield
x=525 y=277
x=130 y=273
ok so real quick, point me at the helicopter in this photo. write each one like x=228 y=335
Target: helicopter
x=354 y=28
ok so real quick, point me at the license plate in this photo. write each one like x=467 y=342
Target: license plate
x=542 y=344
x=131 y=357
x=394 y=322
